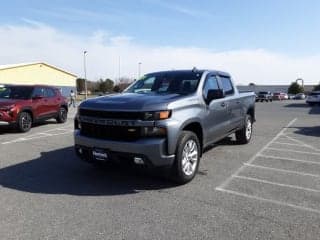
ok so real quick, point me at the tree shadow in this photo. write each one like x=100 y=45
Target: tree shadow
x=313 y=109
x=308 y=131
x=61 y=172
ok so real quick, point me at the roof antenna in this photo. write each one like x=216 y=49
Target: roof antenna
x=194 y=69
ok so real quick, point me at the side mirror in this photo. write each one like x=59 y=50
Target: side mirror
x=214 y=94
x=37 y=97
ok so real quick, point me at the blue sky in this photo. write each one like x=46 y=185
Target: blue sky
x=234 y=36
x=285 y=26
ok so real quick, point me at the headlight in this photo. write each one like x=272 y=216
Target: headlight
x=154 y=131
x=7 y=108
x=160 y=115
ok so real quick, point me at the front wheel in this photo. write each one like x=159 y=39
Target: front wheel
x=62 y=115
x=24 y=122
x=187 y=157
x=243 y=136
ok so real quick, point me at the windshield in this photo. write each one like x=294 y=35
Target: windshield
x=263 y=92
x=15 y=92
x=167 y=83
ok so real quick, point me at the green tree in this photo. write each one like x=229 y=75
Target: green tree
x=105 y=85
x=317 y=87
x=295 y=88
x=116 y=88
x=80 y=84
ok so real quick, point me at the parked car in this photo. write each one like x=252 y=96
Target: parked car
x=291 y=96
x=285 y=96
x=165 y=119
x=264 y=96
x=313 y=98
x=21 y=106
x=279 y=96
x=300 y=96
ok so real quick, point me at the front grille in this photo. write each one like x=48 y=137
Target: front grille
x=115 y=133
x=111 y=115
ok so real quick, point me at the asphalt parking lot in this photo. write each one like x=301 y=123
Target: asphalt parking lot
x=268 y=189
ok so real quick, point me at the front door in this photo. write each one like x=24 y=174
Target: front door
x=216 y=120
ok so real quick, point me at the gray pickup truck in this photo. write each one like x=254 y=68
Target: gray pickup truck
x=164 y=119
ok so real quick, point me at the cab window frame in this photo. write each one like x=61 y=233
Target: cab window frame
x=229 y=92
x=205 y=82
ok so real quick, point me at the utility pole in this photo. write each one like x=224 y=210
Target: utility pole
x=85 y=74
x=139 y=70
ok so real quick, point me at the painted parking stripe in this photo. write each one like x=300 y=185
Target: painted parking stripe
x=226 y=182
x=295 y=151
x=276 y=184
x=268 y=200
x=45 y=134
x=282 y=170
x=288 y=159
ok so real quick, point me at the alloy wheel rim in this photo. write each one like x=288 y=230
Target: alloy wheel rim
x=63 y=114
x=189 y=157
x=26 y=122
x=248 y=129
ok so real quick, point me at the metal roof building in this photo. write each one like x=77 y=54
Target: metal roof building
x=38 y=73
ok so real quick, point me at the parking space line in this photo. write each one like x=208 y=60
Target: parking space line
x=290 y=150
x=276 y=184
x=302 y=143
x=226 y=182
x=288 y=159
x=290 y=144
x=268 y=200
x=47 y=133
x=282 y=170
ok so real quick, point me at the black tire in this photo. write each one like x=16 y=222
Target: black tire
x=244 y=135
x=62 y=115
x=24 y=122
x=270 y=100
x=185 y=169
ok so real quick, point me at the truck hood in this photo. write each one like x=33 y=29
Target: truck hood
x=131 y=102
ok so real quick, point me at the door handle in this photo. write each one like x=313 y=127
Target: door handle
x=238 y=102
x=223 y=104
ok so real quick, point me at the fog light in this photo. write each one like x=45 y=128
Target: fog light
x=138 y=160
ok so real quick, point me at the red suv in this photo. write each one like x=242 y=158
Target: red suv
x=21 y=106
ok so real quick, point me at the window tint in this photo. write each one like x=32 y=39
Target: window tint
x=210 y=84
x=50 y=92
x=226 y=85
x=38 y=92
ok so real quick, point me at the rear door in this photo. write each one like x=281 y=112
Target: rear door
x=216 y=118
x=235 y=115
x=52 y=101
x=39 y=103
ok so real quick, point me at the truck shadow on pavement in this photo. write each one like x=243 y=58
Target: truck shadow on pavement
x=61 y=172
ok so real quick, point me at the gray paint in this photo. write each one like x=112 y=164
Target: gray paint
x=218 y=119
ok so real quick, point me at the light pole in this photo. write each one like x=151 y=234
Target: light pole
x=85 y=73
x=302 y=81
x=139 y=69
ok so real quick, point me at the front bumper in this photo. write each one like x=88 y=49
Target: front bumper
x=152 y=150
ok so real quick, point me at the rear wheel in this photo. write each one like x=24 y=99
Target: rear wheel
x=24 y=122
x=62 y=115
x=187 y=157
x=243 y=136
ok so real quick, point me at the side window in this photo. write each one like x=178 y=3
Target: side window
x=226 y=85
x=38 y=92
x=210 y=84
x=50 y=93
